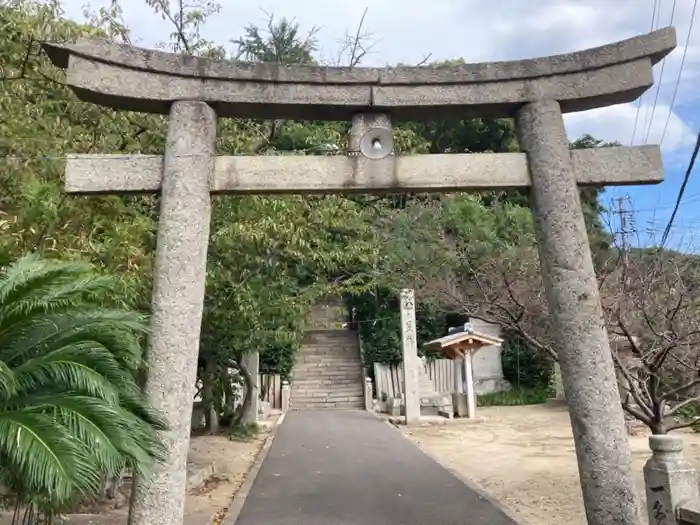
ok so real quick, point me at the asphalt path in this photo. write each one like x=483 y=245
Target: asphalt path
x=347 y=467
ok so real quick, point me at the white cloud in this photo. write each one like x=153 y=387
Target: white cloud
x=617 y=123
x=476 y=30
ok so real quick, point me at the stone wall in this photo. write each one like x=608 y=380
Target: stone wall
x=487 y=364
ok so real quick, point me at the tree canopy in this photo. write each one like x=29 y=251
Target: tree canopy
x=269 y=257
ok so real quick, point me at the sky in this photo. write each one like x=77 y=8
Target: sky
x=406 y=31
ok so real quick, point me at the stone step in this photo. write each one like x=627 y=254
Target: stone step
x=328 y=395
x=325 y=396
x=328 y=360
x=329 y=357
x=329 y=404
x=328 y=363
x=340 y=345
x=336 y=337
x=325 y=381
x=326 y=367
x=307 y=379
x=342 y=392
x=341 y=365
x=322 y=382
x=320 y=369
x=315 y=358
x=330 y=379
x=326 y=370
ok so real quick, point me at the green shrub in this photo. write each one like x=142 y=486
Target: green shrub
x=523 y=366
x=515 y=397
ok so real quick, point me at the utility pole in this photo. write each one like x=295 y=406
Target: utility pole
x=626 y=225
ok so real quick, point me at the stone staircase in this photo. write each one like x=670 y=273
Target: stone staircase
x=327 y=373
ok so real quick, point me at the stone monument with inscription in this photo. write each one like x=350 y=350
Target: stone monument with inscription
x=411 y=362
x=195 y=91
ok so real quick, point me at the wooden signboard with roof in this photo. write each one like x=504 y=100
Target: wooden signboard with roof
x=461 y=343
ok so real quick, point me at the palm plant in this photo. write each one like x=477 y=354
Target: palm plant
x=71 y=411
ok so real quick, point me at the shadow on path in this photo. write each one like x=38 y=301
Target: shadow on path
x=350 y=468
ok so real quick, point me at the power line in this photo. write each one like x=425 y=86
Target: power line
x=654 y=25
x=639 y=100
x=686 y=178
x=660 y=81
x=680 y=71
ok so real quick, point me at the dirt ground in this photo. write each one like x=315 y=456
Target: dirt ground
x=524 y=457
x=232 y=459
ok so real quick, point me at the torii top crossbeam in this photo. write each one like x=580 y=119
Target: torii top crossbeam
x=131 y=78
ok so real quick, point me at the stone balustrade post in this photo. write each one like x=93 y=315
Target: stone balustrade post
x=670 y=481
x=558 y=385
x=286 y=395
x=368 y=394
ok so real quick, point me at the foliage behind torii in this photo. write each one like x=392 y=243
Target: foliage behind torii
x=269 y=257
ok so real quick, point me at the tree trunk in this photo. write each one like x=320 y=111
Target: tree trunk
x=229 y=394
x=659 y=429
x=249 y=390
x=209 y=405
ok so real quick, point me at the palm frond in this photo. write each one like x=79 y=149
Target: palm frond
x=40 y=287
x=71 y=410
x=118 y=330
x=31 y=273
x=46 y=457
x=93 y=373
x=8 y=384
x=110 y=433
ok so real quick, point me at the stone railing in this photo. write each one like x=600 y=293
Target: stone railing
x=671 y=484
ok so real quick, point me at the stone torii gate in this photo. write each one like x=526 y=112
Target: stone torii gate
x=195 y=91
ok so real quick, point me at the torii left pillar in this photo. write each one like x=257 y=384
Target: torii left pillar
x=178 y=296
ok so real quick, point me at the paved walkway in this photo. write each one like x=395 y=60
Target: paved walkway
x=350 y=468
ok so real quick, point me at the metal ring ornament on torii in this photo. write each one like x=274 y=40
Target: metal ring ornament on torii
x=377 y=143
x=131 y=78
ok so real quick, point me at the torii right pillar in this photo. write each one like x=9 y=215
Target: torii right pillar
x=587 y=368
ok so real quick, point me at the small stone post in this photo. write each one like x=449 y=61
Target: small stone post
x=670 y=481
x=252 y=361
x=458 y=371
x=558 y=385
x=469 y=384
x=178 y=296
x=459 y=396
x=368 y=394
x=587 y=369
x=285 y=396
x=411 y=382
